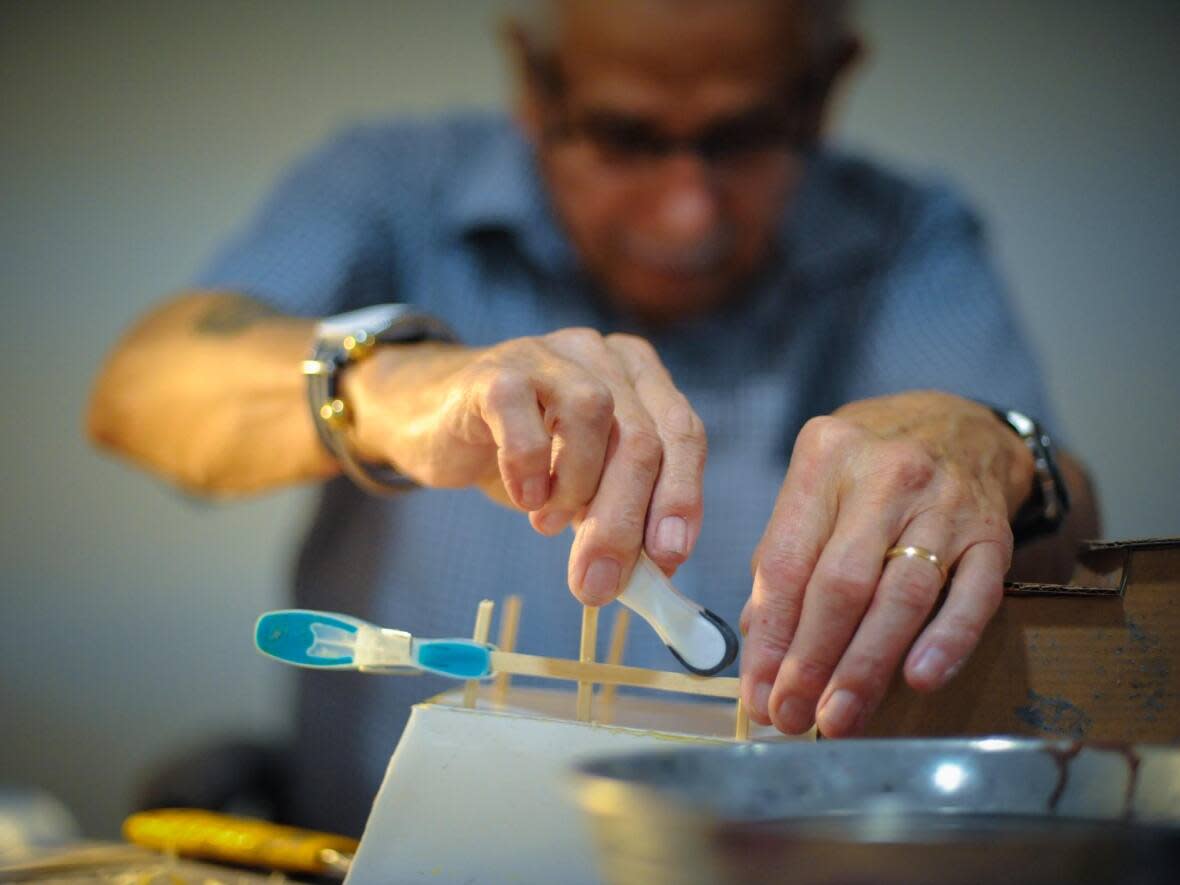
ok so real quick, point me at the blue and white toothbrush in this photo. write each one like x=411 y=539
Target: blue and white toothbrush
x=700 y=640
x=325 y=640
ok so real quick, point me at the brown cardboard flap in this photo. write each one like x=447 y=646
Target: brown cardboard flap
x=1098 y=658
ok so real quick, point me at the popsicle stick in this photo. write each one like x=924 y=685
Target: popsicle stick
x=741 y=728
x=586 y=656
x=610 y=674
x=483 y=625
x=509 y=621
x=614 y=655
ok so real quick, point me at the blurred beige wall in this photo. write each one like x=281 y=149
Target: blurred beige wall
x=134 y=135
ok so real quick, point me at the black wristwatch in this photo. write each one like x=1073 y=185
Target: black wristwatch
x=1046 y=507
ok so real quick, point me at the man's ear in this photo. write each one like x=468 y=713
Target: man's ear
x=530 y=94
x=827 y=80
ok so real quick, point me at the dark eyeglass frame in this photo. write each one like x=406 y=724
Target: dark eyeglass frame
x=629 y=141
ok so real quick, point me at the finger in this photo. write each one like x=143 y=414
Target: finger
x=509 y=407
x=610 y=537
x=579 y=415
x=976 y=591
x=800 y=525
x=834 y=602
x=903 y=600
x=674 y=514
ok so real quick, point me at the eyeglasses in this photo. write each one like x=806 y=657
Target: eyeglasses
x=625 y=142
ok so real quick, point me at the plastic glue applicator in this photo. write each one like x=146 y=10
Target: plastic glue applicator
x=700 y=640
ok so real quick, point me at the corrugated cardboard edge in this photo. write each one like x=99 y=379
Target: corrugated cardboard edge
x=1102 y=570
x=1135 y=544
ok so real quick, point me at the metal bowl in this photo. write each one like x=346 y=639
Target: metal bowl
x=888 y=811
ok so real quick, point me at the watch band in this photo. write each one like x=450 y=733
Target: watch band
x=347 y=338
x=1048 y=503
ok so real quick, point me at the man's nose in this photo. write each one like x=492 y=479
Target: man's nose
x=687 y=204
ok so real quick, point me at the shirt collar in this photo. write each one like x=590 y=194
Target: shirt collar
x=829 y=232
x=501 y=189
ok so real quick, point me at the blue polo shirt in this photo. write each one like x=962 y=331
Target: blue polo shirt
x=876 y=285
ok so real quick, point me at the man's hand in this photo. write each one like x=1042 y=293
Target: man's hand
x=829 y=619
x=569 y=426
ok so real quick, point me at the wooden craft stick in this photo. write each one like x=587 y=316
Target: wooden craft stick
x=483 y=625
x=509 y=620
x=614 y=655
x=586 y=656
x=741 y=728
x=611 y=674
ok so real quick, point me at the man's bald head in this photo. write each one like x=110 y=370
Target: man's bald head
x=824 y=24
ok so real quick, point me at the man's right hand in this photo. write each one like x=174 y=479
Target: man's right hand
x=570 y=427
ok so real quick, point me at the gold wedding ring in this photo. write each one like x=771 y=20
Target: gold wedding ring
x=912 y=551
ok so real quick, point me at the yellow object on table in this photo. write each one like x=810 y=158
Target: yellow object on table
x=238 y=840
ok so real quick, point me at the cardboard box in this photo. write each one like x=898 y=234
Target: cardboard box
x=1098 y=658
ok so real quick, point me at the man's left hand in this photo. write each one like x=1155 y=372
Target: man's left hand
x=829 y=619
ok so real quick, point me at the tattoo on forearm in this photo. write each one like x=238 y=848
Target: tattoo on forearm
x=232 y=317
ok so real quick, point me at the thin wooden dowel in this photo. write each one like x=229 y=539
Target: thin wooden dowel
x=614 y=655
x=609 y=674
x=483 y=625
x=741 y=727
x=509 y=621
x=586 y=656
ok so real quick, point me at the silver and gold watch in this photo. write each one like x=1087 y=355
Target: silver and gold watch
x=348 y=338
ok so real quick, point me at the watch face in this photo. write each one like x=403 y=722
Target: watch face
x=1022 y=424
x=371 y=319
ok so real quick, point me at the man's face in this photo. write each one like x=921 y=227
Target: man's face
x=668 y=133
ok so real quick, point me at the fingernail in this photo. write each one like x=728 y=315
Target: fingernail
x=553 y=522
x=931 y=665
x=794 y=715
x=838 y=716
x=533 y=492
x=762 y=699
x=672 y=535
x=601 y=581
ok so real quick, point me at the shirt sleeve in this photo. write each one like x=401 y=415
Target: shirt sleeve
x=320 y=243
x=939 y=317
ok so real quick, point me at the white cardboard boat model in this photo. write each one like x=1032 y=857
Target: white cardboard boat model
x=477 y=789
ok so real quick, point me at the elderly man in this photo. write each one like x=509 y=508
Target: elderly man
x=658 y=250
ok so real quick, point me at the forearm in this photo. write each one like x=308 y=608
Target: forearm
x=1051 y=559
x=206 y=391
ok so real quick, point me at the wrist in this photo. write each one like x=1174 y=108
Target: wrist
x=357 y=381
x=1021 y=466
x=391 y=393
x=1043 y=509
